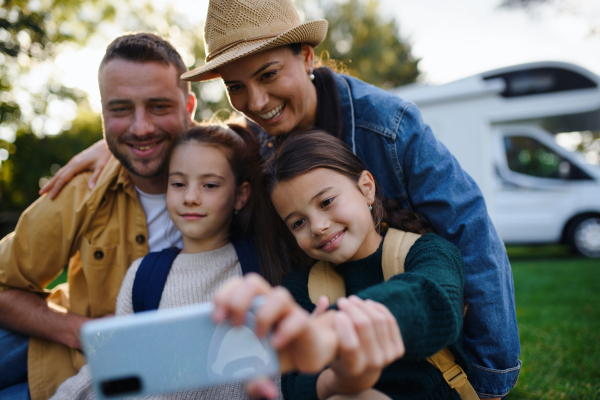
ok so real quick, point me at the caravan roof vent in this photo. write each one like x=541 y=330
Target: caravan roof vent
x=541 y=80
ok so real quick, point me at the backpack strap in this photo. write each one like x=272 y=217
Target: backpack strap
x=395 y=248
x=150 y=279
x=453 y=374
x=247 y=254
x=324 y=280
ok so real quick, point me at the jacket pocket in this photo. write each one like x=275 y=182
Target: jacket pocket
x=103 y=276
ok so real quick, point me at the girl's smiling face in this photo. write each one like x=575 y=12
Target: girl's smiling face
x=328 y=214
x=272 y=88
x=202 y=195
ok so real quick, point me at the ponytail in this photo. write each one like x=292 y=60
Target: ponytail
x=394 y=216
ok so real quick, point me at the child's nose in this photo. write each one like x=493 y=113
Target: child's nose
x=319 y=227
x=192 y=196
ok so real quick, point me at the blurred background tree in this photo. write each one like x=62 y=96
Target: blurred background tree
x=43 y=122
x=368 y=45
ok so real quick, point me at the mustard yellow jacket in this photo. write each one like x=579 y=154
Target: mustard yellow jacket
x=98 y=233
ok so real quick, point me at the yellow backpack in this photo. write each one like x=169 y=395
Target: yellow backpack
x=324 y=280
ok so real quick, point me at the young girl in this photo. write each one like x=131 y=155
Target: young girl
x=331 y=206
x=208 y=189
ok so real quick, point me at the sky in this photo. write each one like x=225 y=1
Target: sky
x=453 y=39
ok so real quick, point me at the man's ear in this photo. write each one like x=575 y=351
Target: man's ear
x=190 y=105
x=366 y=184
x=242 y=195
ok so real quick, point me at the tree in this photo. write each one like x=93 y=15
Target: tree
x=31 y=34
x=369 y=46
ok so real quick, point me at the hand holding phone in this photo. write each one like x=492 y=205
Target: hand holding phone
x=173 y=350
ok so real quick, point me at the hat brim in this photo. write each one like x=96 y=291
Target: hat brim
x=312 y=32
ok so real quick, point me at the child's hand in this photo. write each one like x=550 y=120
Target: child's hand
x=303 y=343
x=370 y=340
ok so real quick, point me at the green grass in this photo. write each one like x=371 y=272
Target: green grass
x=558 y=312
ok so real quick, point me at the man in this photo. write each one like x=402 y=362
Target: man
x=98 y=233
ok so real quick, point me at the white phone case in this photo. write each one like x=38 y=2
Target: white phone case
x=172 y=350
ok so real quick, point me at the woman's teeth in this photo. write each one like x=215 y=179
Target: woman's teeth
x=271 y=114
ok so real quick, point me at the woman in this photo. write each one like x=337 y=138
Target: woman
x=265 y=56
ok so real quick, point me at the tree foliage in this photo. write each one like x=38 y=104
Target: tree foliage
x=33 y=159
x=31 y=33
x=369 y=46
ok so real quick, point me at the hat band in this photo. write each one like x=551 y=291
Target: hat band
x=222 y=49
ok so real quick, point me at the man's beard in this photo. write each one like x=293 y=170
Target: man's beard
x=125 y=159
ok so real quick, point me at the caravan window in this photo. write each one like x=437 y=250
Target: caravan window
x=542 y=80
x=527 y=156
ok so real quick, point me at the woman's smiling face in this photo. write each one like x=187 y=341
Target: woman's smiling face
x=272 y=88
x=328 y=214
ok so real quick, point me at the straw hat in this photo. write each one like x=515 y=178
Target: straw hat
x=236 y=28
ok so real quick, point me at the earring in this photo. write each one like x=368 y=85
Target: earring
x=311 y=76
x=235 y=212
x=370 y=207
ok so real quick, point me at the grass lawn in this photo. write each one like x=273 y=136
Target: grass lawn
x=558 y=312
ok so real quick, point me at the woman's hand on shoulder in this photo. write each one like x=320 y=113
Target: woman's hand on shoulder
x=369 y=341
x=93 y=158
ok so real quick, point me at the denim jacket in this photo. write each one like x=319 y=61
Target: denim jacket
x=412 y=166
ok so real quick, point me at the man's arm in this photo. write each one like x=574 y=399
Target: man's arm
x=45 y=238
x=28 y=313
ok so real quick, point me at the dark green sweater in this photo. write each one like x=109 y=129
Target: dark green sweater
x=427 y=301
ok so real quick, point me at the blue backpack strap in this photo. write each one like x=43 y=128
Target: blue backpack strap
x=247 y=254
x=150 y=279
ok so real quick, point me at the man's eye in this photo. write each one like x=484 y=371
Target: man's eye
x=297 y=224
x=118 y=110
x=161 y=107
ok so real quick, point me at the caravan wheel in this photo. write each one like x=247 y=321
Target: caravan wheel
x=584 y=235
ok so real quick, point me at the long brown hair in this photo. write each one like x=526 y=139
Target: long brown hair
x=241 y=150
x=298 y=154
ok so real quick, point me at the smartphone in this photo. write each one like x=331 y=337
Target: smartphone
x=177 y=349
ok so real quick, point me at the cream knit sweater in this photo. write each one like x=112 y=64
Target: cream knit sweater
x=193 y=278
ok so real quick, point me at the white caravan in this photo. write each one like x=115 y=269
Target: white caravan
x=499 y=125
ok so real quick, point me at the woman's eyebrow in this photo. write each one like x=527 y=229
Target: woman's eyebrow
x=267 y=65
x=258 y=71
